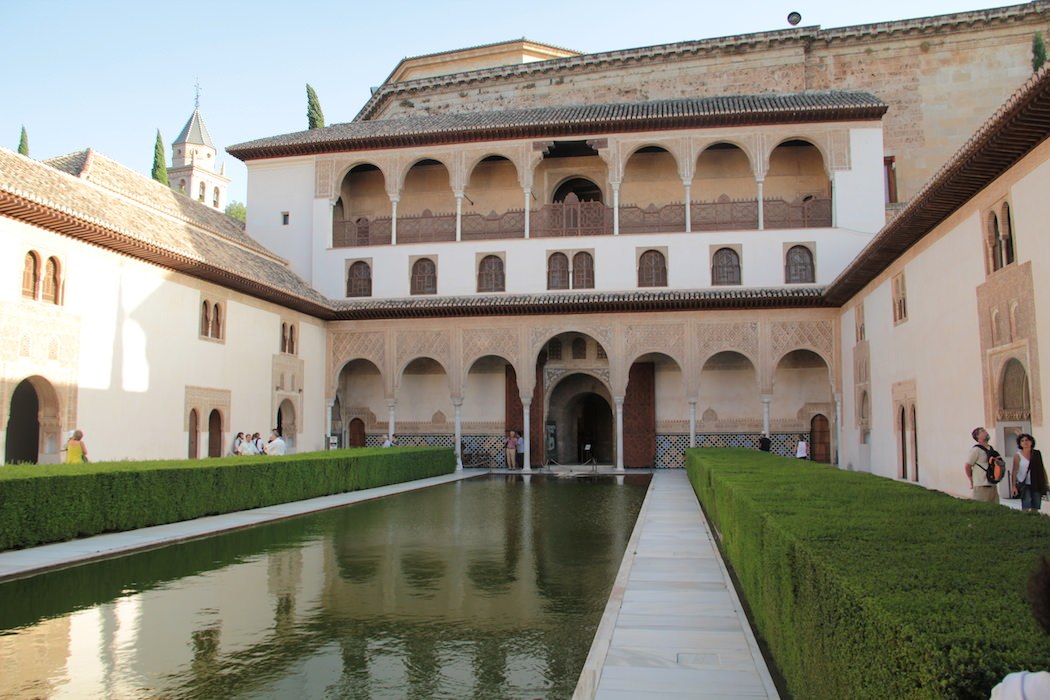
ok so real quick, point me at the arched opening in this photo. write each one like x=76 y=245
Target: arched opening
x=797 y=191
x=424 y=277
x=359 y=280
x=491 y=398
x=491 y=276
x=30 y=275
x=361 y=395
x=576 y=205
x=1015 y=400
x=581 y=414
x=995 y=241
x=215 y=434
x=192 y=451
x=1008 y=235
x=902 y=428
x=729 y=399
x=357 y=433
x=584 y=190
x=286 y=423
x=560 y=378
x=724 y=192
x=914 y=445
x=652 y=269
x=725 y=267
x=558 y=271
x=427 y=209
x=798 y=266
x=424 y=401
x=361 y=215
x=583 y=271
x=801 y=390
x=654 y=401
x=51 y=283
x=651 y=193
x=23 y=425
x=493 y=201
x=820 y=439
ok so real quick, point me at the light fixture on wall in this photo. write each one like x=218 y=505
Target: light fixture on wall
x=794 y=18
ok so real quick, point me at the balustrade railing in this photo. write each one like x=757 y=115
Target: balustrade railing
x=587 y=219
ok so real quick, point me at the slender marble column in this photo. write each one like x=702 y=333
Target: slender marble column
x=692 y=423
x=838 y=429
x=688 y=207
x=619 y=432
x=328 y=421
x=766 y=400
x=391 y=405
x=458 y=405
x=526 y=431
x=459 y=216
x=761 y=207
x=393 y=220
x=616 y=209
x=528 y=209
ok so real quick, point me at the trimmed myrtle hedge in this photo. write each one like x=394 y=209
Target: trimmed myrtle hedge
x=49 y=503
x=865 y=587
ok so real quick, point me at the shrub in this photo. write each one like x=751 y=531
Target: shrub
x=865 y=587
x=49 y=503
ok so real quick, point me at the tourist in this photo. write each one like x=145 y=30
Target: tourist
x=394 y=441
x=1024 y=685
x=1029 y=474
x=257 y=442
x=276 y=444
x=238 y=442
x=248 y=447
x=764 y=443
x=386 y=441
x=802 y=448
x=512 y=450
x=76 y=450
x=521 y=452
x=976 y=468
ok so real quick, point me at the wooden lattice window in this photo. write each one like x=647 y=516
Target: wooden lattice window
x=583 y=271
x=558 y=271
x=579 y=349
x=1008 y=235
x=205 y=318
x=424 y=277
x=798 y=268
x=1016 y=399
x=203 y=190
x=554 y=349
x=652 y=269
x=361 y=232
x=284 y=337
x=291 y=339
x=216 y=322
x=215 y=198
x=359 y=280
x=30 y=275
x=725 y=267
x=995 y=241
x=900 y=299
x=490 y=274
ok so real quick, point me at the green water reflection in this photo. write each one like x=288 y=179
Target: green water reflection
x=485 y=588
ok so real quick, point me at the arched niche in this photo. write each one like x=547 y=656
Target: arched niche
x=729 y=387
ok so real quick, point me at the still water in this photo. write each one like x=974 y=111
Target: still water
x=490 y=587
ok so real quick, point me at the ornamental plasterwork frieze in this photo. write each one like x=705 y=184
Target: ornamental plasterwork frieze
x=346 y=346
x=552 y=375
x=838 y=149
x=667 y=339
x=206 y=400
x=713 y=338
x=502 y=342
x=324 y=184
x=433 y=344
x=817 y=336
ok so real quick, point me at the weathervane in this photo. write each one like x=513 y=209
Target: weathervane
x=197 y=96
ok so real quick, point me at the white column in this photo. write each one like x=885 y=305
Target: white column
x=688 y=207
x=766 y=400
x=458 y=405
x=692 y=422
x=328 y=421
x=528 y=209
x=391 y=405
x=619 y=432
x=526 y=433
x=838 y=430
x=761 y=208
x=393 y=220
x=616 y=208
x=459 y=216
x=834 y=202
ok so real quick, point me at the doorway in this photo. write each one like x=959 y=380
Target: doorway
x=23 y=425
x=820 y=439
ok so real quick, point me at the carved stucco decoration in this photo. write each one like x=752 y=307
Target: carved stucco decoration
x=713 y=338
x=668 y=339
x=324 y=186
x=817 y=336
x=502 y=342
x=433 y=344
x=538 y=336
x=552 y=375
x=346 y=346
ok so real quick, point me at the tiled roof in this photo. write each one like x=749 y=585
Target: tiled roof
x=119 y=220
x=1021 y=124
x=548 y=122
x=96 y=168
x=580 y=302
x=195 y=131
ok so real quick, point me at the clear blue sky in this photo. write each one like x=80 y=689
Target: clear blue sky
x=107 y=74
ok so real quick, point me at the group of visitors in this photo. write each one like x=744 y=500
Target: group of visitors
x=801 y=447
x=252 y=444
x=1027 y=478
x=515 y=450
x=390 y=441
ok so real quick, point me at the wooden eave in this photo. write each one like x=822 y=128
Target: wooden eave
x=1020 y=125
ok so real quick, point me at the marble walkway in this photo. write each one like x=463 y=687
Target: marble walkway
x=674 y=626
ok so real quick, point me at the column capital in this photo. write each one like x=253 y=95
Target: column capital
x=767 y=398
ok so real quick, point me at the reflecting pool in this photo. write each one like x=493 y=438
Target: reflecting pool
x=491 y=587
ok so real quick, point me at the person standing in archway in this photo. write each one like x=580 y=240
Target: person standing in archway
x=802 y=449
x=512 y=450
x=76 y=450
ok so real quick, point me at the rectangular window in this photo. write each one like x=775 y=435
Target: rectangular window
x=900 y=299
x=889 y=168
x=285 y=217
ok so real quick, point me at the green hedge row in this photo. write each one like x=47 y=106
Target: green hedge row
x=50 y=503
x=865 y=587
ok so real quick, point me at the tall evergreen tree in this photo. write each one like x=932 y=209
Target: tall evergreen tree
x=314 y=115
x=23 y=143
x=160 y=162
x=1038 y=51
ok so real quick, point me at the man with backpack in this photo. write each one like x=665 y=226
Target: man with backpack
x=984 y=468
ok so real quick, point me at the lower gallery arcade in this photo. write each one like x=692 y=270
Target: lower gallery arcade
x=623 y=389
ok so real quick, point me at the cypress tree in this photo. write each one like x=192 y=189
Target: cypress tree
x=23 y=143
x=160 y=162
x=1038 y=51
x=314 y=115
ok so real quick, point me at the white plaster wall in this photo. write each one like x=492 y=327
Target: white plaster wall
x=484 y=397
x=276 y=186
x=856 y=204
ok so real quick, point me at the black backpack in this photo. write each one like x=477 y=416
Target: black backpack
x=996 y=465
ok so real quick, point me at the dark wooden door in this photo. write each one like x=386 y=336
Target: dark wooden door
x=820 y=439
x=639 y=416
x=357 y=433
